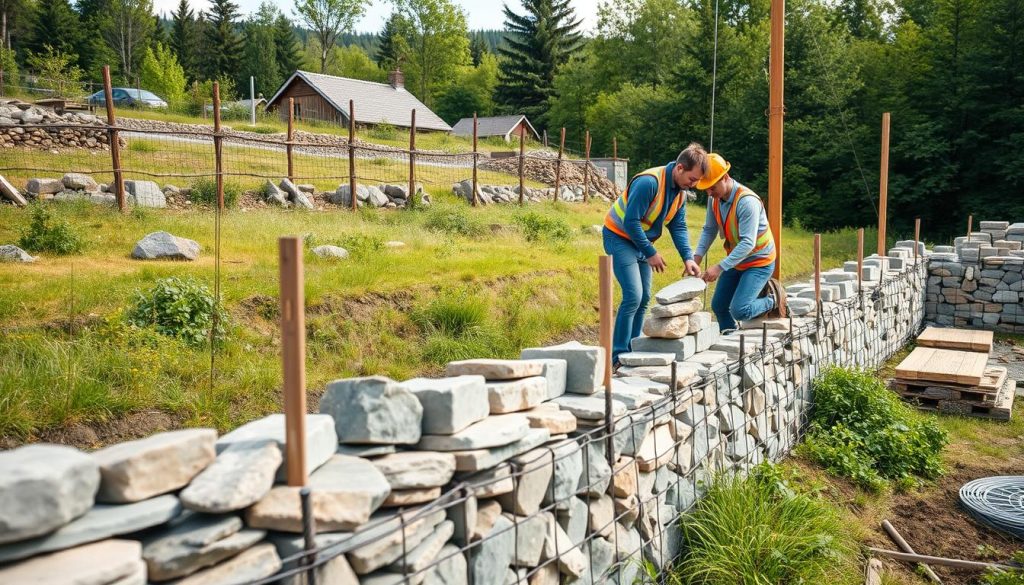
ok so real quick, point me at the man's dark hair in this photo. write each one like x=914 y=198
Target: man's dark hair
x=692 y=156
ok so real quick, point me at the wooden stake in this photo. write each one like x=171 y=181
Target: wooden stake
x=960 y=564
x=218 y=146
x=905 y=547
x=352 y=153
x=604 y=265
x=412 y=155
x=558 y=165
x=476 y=156
x=615 y=148
x=522 y=165
x=586 y=169
x=291 y=136
x=860 y=267
x=917 y=236
x=883 y=185
x=817 y=275
x=776 y=113
x=545 y=130
x=115 y=144
x=970 y=226
x=293 y=353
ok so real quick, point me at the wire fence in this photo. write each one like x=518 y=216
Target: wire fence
x=620 y=518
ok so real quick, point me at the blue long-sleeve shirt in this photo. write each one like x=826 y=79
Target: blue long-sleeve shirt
x=641 y=194
x=751 y=220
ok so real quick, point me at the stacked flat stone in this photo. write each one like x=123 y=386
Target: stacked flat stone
x=676 y=323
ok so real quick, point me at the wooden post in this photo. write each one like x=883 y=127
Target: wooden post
x=291 y=136
x=218 y=146
x=615 y=148
x=817 y=277
x=586 y=168
x=545 y=130
x=970 y=226
x=476 y=156
x=522 y=167
x=776 y=113
x=905 y=547
x=412 y=156
x=558 y=165
x=917 y=236
x=604 y=265
x=883 y=185
x=860 y=259
x=115 y=144
x=352 y=153
x=293 y=353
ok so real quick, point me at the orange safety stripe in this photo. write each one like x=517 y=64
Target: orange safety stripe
x=617 y=214
x=730 y=228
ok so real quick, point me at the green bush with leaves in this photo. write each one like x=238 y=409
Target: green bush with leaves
x=204 y=191
x=861 y=430
x=182 y=308
x=760 y=530
x=537 y=226
x=453 y=220
x=994 y=577
x=46 y=234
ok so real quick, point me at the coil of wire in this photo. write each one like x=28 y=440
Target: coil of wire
x=997 y=501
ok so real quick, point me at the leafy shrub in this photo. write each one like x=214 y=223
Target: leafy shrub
x=993 y=577
x=536 y=227
x=759 y=530
x=362 y=244
x=453 y=220
x=861 y=430
x=383 y=131
x=204 y=191
x=45 y=234
x=182 y=308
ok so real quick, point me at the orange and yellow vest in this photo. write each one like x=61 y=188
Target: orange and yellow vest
x=729 y=228
x=615 y=220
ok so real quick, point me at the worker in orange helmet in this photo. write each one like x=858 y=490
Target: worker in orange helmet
x=745 y=289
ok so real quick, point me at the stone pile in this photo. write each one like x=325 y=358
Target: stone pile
x=979 y=281
x=488 y=194
x=389 y=196
x=541 y=166
x=24 y=125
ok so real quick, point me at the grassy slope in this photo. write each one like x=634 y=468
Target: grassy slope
x=65 y=358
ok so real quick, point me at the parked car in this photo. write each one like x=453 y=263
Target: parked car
x=128 y=96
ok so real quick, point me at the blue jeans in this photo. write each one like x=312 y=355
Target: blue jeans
x=736 y=295
x=634 y=276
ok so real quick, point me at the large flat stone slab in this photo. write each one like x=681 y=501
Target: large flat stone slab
x=680 y=290
x=99 y=563
x=555 y=420
x=43 y=487
x=493 y=369
x=675 y=309
x=345 y=492
x=556 y=373
x=420 y=557
x=478 y=459
x=584 y=364
x=667 y=327
x=507 y=396
x=256 y=563
x=137 y=470
x=238 y=478
x=646 y=358
x=321 y=439
x=373 y=410
x=589 y=407
x=388 y=538
x=196 y=542
x=493 y=431
x=450 y=404
x=416 y=469
x=99 y=523
x=682 y=348
x=336 y=571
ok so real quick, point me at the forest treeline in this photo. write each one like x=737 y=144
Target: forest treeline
x=951 y=72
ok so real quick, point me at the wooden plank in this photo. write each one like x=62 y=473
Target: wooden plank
x=965 y=339
x=943 y=366
x=991 y=383
x=908 y=368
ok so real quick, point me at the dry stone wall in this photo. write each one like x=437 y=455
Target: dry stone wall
x=502 y=471
x=25 y=125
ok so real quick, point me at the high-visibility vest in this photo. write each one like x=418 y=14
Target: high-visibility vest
x=615 y=220
x=730 y=230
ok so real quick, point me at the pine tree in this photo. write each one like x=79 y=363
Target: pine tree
x=477 y=48
x=55 y=25
x=259 y=57
x=392 y=42
x=536 y=44
x=161 y=35
x=183 y=38
x=222 y=44
x=286 y=48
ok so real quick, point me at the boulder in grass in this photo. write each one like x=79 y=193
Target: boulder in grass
x=329 y=251
x=40 y=187
x=376 y=197
x=275 y=195
x=145 y=194
x=80 y=182
x=165 y=246
x=12 y=253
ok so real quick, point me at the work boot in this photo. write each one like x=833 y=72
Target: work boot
x=777 y=293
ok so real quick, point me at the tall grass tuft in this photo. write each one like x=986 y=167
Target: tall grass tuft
x=454 y=314
x=758 y=531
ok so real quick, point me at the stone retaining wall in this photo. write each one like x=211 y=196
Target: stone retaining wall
x=979 y=282
x=501 y=472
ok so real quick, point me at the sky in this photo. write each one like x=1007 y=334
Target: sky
x=480 y=14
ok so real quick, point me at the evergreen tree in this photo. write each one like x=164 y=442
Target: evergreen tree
x=183 y=39
x=393 y=42
x=161 y=36
x=477 y=48
x=93 y=50
x=221 y=43
x=537 y=43
x=259 y=56
x=56 y=26
x=286 y=48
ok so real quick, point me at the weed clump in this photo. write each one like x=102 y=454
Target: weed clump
x=454 y=221
x=181 y=308
x=204 y=191
x=861 y=430
x=536 y=227
x=45 y=234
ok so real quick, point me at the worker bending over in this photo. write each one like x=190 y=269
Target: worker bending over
x=653 y=200
x=746 y=289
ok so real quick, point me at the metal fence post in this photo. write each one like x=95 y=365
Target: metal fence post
x=522 y=162
x=476 y=156
x=558 y=165
x=291 y=137
x=114 y=140
x=412 y=155
x=218 y=146
x=586 y=169
x=352 y=152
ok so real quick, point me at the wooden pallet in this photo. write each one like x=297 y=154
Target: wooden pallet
x=963 y=339
x=944 y=366
x=1000 y=409
x=992 y=382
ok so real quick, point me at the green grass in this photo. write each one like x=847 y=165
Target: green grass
x=63 y=359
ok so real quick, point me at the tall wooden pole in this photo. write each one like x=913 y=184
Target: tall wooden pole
x=293 y=353
x=817 y=278
x=412 y=155
x=558 y=165
x=586 y=168
x=970 y=226
x=917 y=236
x=604 y=265
x=615 y=148
x=218 y=146
x=776 y=111
x=352 y=152
x=475 y=158
x=860 y=259
x=522 y=165
x=115 y=144
x=291 y=136
x=883 y=185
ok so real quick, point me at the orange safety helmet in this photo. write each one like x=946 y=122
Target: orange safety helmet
x=717 y=168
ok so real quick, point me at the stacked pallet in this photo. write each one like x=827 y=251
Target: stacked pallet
x=948 y=373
